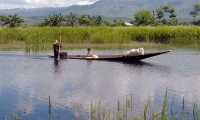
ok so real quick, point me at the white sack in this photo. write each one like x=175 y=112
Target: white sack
x=134 y=52
x=95 y=56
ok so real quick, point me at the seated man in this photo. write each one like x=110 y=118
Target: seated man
x=89 y=54
x=56 y=49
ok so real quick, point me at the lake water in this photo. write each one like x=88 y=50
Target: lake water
x=28 y=79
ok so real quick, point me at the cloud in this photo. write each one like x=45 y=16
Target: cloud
x=10 y=4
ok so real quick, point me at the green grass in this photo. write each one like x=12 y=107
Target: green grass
x=161 y=34
x=40 y=38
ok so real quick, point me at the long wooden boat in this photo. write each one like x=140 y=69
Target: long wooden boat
x=112 y=57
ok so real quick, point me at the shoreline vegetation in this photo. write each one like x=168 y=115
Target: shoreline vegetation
x=124 y=110
x=19 y=45
x=41 y=38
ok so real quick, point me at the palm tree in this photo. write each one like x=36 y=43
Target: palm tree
x=98 y=20
x=11 y=20
x=91 y=20
x=119 y=23
x=72 y=18
x=54 y=20
x=83 y=20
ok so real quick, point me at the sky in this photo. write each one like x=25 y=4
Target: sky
x=10 y=4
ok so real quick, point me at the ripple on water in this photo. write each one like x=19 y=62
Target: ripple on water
x=27 y=81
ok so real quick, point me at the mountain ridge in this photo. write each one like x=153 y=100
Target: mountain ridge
x=107 y=8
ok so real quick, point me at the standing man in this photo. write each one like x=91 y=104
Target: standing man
x=56 y=49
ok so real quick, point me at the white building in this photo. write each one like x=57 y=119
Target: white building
x=128 y=24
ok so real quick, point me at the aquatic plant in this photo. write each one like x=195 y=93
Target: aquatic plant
x=104 y=112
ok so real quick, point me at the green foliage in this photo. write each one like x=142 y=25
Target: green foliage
x=53 y=20
x=143 y=17
x=72 y=18
x=165 y=7
x=163 y=10
x=159 y=13
x=196 y=22
x=11 y=20
x=3 y=17
x=118 y=23
x=173 y=22
x=83 y=20
x=90 y=20
x=154 y=21
x=98 y=20
x=196 y=10
x=173 y=15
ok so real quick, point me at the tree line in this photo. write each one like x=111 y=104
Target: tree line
x=164 y=15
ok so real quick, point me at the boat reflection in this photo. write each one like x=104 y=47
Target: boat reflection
x=143 y=65
x=57 y=66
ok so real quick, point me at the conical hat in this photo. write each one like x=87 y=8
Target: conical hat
x=56 y=42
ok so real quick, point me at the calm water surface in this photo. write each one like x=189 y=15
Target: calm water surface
x=27 y=81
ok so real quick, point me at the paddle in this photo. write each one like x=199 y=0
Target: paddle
x=59 y=49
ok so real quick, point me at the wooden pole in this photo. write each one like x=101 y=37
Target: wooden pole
x=59 y=49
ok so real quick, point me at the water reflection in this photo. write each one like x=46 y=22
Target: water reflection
x=143 y=66
x=57 y=66
x=89 y=63
x=72 y=84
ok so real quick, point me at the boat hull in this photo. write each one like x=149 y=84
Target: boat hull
x=112 y=57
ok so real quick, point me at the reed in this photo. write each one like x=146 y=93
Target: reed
x=12 y=117
x=196 y=110
x=146 y=109
x=164 y=108
x=100 y=112
x=163 y=114
x=178 y=35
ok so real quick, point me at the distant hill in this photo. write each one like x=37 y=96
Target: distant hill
x=123 y=9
